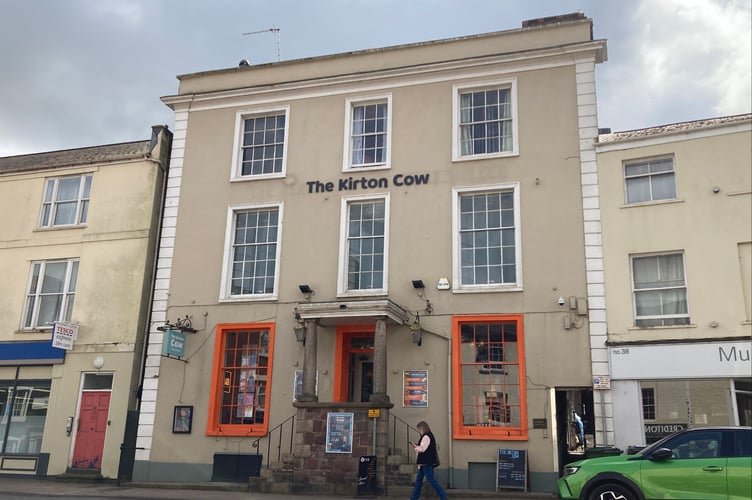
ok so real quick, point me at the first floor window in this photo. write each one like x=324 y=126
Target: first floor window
x=52 y=288
x=253 y=253
x=651 y=180
x=365 y=245
x=239 y=402
x=66 y=201
x=487 y=239
x=488 y=378
x=660 y=291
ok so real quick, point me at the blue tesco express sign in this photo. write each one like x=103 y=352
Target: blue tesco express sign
x=174 y=343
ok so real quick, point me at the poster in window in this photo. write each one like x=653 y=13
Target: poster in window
x=339 y=432
x=415 y=388
x=182 y=420
x=245 y=405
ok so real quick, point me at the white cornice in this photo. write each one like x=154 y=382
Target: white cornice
x=407 y=76
x=676 y=136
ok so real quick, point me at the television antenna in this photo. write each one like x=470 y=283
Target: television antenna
x=270 y=30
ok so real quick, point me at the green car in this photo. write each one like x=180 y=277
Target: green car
x=700 y=463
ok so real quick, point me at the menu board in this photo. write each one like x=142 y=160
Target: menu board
x=339 y=432
x=367 y=476
x=415 y=388
x=511 y=470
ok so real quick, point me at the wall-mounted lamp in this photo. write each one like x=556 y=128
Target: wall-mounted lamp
x=98 y=362
x=307 y=291
x=299 y=328
x=416 y=331
x=421 y=287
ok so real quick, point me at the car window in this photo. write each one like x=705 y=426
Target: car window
x=743 y=443
x=696 y=445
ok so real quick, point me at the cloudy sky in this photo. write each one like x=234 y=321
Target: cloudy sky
x=80 y=73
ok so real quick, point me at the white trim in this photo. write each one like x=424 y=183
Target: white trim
x=514 y=63
x=457 y=89
x=237 y=146
x=347 y=150
x=458 y=191
x=672 y=137
x=342 y=290
x=224 y=288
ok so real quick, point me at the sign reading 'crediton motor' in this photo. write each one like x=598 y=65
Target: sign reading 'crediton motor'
x=364 y=183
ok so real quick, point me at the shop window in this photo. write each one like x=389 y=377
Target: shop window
x=488 y=375
x=648 y=403
x=23 y=406
x=241 y=380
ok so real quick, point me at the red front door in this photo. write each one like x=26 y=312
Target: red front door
x=92 y=427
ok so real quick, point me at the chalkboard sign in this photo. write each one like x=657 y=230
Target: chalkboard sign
x=367 y=476
x=511 y=470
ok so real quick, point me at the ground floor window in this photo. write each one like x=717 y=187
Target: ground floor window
x=488 y=377
x=678 y=404
x=241 y=380
x=23 y=411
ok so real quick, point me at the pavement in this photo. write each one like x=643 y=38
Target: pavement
x=57 y=487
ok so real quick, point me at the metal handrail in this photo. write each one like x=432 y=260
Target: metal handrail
x=408 y=428
x=255 y=444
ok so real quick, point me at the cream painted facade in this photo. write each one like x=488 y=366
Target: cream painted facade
x=545 y=170
x=676 y=208
x=82 y=225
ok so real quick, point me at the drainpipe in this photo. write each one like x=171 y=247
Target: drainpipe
x=449 y=415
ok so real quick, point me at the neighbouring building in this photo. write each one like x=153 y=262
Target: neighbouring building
x=361 y=241
x=676 y=210
x=78 y=238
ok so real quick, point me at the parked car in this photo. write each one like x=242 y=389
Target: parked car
x=703 y=463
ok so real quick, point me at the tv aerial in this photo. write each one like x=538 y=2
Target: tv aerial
x=270 y=30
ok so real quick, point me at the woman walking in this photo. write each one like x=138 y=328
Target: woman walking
x=428 y=458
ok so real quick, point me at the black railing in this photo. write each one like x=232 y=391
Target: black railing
x=402 y=432
x=279 y=429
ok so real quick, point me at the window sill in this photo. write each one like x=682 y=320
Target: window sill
x=246 y=178
x=667 y=327
x=495 y=289
x=365 y=168
x=492 y=434
x=248 y=298
x=506 y=154
x=652 y=203
x=61 y=227
x=362 y=293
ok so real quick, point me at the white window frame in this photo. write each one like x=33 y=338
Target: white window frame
x=350 y=103
x=635 y=291
x=225 y=290
x=650 y=176
x=237 y=149
x=457 y=90
x=342 y=280
x=67 y=295
x=49 y=208
x=457 y=192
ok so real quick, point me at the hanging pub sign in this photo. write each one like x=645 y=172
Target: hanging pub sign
x=174 y=344
x=63 y=335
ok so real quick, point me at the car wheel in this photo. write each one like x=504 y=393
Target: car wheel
x=611 y=491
